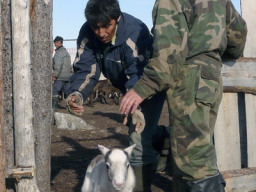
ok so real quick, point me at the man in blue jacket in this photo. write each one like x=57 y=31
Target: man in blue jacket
x=119 y=46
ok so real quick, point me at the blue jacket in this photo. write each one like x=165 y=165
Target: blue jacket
x=124 y=62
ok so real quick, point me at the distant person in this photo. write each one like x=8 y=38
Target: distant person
x=190 y=38
x=61 y=72
x=118 y=45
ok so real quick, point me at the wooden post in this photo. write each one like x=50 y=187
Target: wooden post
x=230 y=125
x=7 y=67
x=2 y=145
x=41 y=24
x=22 y=94
x=251 y=129
x=249 y=14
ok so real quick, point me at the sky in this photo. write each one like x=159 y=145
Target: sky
x=68 y=16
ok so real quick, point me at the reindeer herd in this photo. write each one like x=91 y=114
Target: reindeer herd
x=105 y=93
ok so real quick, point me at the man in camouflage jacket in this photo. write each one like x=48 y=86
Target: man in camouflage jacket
x=191 y=37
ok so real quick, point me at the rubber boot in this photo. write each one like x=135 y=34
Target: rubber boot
x=162 y=145
x=55 y=103
x=143 y=176
x=212 y=184
x=162 y=163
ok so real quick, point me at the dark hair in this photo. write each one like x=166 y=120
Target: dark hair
x=58 y=38
x=102 y=11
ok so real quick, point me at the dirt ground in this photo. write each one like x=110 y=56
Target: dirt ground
x=73 y=150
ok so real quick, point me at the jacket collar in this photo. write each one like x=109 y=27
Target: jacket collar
x=121 y=29
x=58 y=48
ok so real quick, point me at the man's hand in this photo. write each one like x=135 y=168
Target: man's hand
x=75 y=104
x=130 y=102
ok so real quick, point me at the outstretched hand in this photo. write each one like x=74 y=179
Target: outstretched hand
x=74 y=106
x=130 y=102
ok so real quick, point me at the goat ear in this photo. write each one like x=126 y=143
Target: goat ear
x=129 y=149
x=103 y=149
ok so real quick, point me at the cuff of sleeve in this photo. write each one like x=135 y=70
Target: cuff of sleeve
x=79 y=99
x=143 y=90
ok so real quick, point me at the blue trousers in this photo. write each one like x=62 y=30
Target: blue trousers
x=59 y=86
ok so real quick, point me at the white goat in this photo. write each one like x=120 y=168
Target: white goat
x=110 y=171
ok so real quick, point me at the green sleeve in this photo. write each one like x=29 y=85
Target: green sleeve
x=170 y=48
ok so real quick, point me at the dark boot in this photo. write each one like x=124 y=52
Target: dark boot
x=55 y=103
x=162 y=164
x=143 y=176
x=210 y=184
x=162 y=145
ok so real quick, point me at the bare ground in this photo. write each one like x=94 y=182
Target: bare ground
x=73 y=150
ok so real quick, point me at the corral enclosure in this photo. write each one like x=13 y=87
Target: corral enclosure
x=25 y=104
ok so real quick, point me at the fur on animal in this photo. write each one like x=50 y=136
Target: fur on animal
x=110 y=171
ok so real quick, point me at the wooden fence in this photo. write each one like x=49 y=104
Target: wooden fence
x=235 y=130
x=25 y=92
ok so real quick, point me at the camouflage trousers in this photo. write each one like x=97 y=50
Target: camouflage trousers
x=193 y=103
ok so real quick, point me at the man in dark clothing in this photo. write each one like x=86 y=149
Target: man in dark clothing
x=61 y=71
x=119 y=46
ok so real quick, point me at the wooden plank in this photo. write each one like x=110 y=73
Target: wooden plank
x=249 y=14
x=22 y=94
x=250 y=90
x=226 y=135
x=2 y=143
x=21 y=172
x=239 y=73
x=250 y=102
x=242 y=180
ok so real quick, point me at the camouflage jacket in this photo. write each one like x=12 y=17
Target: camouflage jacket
x=190 y=32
